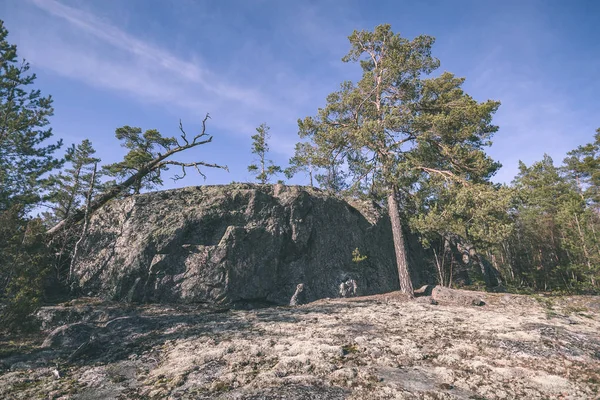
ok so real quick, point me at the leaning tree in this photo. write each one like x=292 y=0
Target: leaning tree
x=142 y=163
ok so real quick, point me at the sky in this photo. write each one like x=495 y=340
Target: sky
x=152 y=63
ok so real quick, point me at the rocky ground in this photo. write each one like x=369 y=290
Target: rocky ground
x=467 y=346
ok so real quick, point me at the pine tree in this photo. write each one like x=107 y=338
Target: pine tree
x=322 y=161
x=143 y=148
x=396 y=126
x=24 y=155
x=555 y=244
x=24 y=261
x=304 y=160
x=67 y=190
x=263 y=168
x=583 y=166
x=453 y=218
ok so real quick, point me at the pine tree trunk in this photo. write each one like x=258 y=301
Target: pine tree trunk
x=263 y=174
x=399 y=245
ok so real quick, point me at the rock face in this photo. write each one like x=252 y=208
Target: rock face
x=235 y=244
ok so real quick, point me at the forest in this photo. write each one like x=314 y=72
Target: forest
x=404 y=136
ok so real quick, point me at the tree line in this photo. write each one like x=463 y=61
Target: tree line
x=402 y=135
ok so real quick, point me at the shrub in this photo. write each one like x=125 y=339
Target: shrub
x=24 y=258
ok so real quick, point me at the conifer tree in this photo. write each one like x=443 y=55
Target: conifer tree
x=304 y=160
x=466 y=219
x=67 y=190
x=396 y=126
x=263 y=168
x=555 y=244
x=24 y=261
x=142 y=167
x=583 y=166
x=25 y=155
x=143 y=148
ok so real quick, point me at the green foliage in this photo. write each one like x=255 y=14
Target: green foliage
x=349 y=349
x=555 y=244
x=67 y=190
x=397 y=131
x=263 y=168
x=143 y=148
x=474 y=217
x=304 y=160
x=357 y=257
x=25 y=158
x=24 y=155
x=321 y=161
x=477 y=212
x=583 y=167
x=24 y=258
x=66 y=193
x=394 y=126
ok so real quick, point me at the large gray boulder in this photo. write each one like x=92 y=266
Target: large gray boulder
x=239 y=243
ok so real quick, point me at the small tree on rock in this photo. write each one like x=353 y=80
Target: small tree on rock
x=304 y=160
x=143 y=148
x=67 y=189
x=263 y=168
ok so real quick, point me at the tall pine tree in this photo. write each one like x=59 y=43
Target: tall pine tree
x=397 y=126
x=25 y=157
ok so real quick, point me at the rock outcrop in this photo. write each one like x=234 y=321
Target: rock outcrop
x=236 y=244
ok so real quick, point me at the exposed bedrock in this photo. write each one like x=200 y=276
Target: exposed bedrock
x=240 y=243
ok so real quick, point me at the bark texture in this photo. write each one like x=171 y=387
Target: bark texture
x=404 y=278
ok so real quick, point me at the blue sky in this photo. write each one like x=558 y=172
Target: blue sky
x=148 y=63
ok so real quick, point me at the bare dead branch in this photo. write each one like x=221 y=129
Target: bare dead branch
x=196 y=165
x=152 y=166
x=203 y=133
x=183 y=134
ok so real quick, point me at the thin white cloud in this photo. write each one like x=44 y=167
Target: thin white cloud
x=120 y=39
x=131 y=65
x=258 y=84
